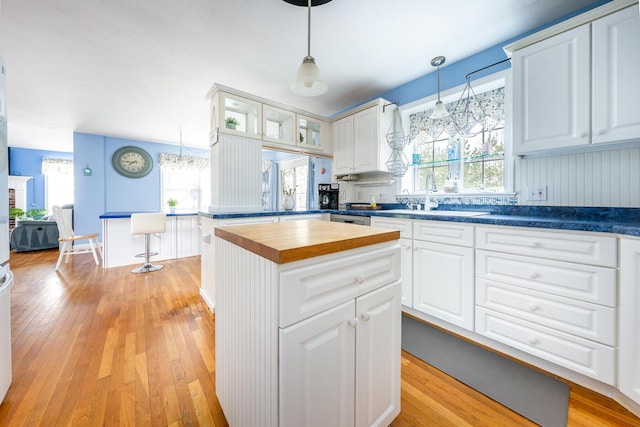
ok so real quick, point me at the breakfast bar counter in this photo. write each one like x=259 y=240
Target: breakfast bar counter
x=308 y=321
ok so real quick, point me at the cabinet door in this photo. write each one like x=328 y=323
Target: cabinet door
x=188 y=236
x=406 y=255
x=247 y=112
x=366 y=139
x=278 y=125
x=615 y=76
x=343 y=146
x=629 y=319
x=317 y=372
x=313 y=134
x=551 y=92
x=207 y=264
x=378 y=357
x=443 y=284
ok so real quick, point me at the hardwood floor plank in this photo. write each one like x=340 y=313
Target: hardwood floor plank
x=108 y=347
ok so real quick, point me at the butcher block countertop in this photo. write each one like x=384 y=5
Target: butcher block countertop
x=289 y=241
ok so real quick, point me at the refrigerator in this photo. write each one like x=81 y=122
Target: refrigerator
x=6 y=278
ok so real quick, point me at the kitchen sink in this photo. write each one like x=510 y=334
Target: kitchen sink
x=436 y=213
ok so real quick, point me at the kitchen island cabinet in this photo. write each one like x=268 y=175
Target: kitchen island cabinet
x=308 y=324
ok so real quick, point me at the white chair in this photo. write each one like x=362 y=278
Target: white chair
x=67 y=238
x=148 y=223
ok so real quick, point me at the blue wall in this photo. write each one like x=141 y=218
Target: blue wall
x=106 y=190
x=27 y=162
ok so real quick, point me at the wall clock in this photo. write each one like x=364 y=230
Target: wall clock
x=132 y=162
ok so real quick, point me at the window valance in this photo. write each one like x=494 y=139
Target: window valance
x=176 y=161
x=421 y=125
x=59 y=166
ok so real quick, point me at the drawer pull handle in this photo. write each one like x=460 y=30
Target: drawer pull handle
x=406 y=246
x=534 y=276
x=533 y=307
x=365 y=316
x=360 y=278
x=353 y=322
x=533 y=340
x=535 y=245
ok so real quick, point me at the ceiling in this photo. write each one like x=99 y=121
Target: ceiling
x=141 y=69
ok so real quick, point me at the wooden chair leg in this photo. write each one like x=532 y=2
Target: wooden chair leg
x=93 y=244
x=63 y=250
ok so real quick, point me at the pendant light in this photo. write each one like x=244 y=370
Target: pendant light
x=308 y=82
x=439 y=110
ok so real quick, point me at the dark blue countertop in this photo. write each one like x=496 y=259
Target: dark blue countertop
x=604 y=220
x=112 y=215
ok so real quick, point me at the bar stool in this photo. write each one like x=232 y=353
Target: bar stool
x=148 y=223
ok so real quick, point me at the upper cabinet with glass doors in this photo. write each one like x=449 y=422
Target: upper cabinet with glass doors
x=313 y=134
x=236 y=113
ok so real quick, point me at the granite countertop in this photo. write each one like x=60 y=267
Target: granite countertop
x=284 y=242
x=624 y=221
x=113 y=215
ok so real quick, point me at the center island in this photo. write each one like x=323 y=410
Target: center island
x=308 y=322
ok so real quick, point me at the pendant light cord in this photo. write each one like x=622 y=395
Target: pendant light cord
x=309 y=29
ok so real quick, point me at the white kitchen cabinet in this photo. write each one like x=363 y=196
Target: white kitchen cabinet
x=207 y=266
x=181 y=239
x=278 y=125
x=629 y=319
x=551 y=294
x=443 y=271
x=188 y=236
x=336 y=366
x=551 y=93
x=578 y=87
x=247 y=112
x=615 y=76
x=406 y=244
x=343 y=146
x=313 y=134
x=443 y=282
x=359 y=139
x=321 y=337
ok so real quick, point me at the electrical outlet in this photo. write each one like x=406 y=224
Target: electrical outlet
x=381 y=196
x=537 y=192
x=359 y=196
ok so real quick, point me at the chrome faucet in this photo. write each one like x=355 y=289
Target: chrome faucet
x=427 y=202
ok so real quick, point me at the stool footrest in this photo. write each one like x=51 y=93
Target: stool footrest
x=142 y=255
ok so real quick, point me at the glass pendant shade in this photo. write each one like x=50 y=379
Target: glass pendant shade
x=439 y=111
x=308 y=82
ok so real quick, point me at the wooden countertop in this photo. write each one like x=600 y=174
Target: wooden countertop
x=289 y=241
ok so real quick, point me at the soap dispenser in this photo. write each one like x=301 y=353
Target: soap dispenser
x=373 y=200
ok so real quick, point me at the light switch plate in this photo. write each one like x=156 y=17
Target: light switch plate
x=537 y=193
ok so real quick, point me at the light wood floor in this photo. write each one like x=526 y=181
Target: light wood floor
x=96 y=347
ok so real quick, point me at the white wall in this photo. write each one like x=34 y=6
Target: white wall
x=602 y=178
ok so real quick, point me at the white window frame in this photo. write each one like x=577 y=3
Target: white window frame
x=481 y=85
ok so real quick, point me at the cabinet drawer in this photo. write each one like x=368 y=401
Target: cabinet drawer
x=310 y=289
x=587 y=320
x=405 y=226
x=579 y=281
x=443 y=232
x=583 y=248
x=581 y=355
